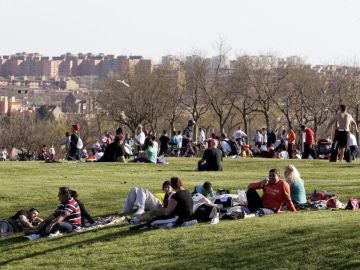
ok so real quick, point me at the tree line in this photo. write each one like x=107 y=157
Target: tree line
x=253 y=92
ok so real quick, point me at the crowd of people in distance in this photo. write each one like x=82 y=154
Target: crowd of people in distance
x=147 y=147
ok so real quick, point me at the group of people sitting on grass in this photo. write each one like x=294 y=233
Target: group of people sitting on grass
x=175 y=206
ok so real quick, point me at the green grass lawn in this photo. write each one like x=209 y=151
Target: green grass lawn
x=303 y=240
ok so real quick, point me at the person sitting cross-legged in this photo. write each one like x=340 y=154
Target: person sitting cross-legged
x=150 y=153
x=67 y=216
x=114 y=152
x=275 y=193
x=211 y=159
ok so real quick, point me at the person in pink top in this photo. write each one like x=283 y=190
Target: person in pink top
x=275 y=193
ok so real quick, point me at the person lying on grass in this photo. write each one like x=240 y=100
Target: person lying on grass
x=23 y=220
x=144 y=200
x=178 y=210
x=205 y=189
x=275 y=193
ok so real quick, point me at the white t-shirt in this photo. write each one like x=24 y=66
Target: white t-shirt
x=179 y=139
x=201 y=139
x=239 y=134
x=156 y=145
x=51 y=151
x=225 y=147
x=140 y=139
x=352 y=140
x=284 y=155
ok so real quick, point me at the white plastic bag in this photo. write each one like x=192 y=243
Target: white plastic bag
x=79 y=144
x=242 y=197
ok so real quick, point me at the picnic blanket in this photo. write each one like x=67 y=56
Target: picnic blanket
x=100 y=222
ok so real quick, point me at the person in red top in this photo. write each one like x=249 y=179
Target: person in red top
x=309 y=143
x=275 y=193
x=291 y=143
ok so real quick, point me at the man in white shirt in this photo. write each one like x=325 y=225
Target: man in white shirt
x=201 y=138
x=140 y=137
x=239 y=135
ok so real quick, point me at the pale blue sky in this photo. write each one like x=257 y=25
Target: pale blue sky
x=322 y=31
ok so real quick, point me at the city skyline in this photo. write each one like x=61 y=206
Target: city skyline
x=321 y=32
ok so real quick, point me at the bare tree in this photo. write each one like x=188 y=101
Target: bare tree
x=136 y=104
x=266 y=77
x=172 y=94
x=245 y=103
x=194 y=100
x=218 y=86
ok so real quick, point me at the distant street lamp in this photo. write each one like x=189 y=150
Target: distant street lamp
x=123 y=82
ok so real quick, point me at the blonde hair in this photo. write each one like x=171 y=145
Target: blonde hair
x=294 y=173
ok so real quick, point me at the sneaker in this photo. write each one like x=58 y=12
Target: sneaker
x=241 y=215
x=215 y=220
x=32 y=236
x=57 y=233
x=139 y=212
x=134 y=221
x=190 y=223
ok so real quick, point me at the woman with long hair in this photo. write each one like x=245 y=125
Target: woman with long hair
x=297 y=189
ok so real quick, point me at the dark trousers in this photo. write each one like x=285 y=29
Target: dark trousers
x=62 y=226
x=255 y=204
x=202 y=166
x=5 y=228
x=290 y=150
x=353 y=151
x=142 y=159
x=308 y=150
x=164 y=150
x=254 y=200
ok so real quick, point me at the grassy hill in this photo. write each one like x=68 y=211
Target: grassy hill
x=303 y=240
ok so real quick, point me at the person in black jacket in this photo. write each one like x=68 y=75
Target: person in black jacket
x=84 y=213
x=73 y=153
x=211 y=160
x=114 y=152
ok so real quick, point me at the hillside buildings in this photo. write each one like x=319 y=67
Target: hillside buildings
x=69 y=65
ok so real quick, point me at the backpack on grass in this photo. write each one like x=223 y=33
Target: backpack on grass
x=353 y=204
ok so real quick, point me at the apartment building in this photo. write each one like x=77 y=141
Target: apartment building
x=34 y=64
